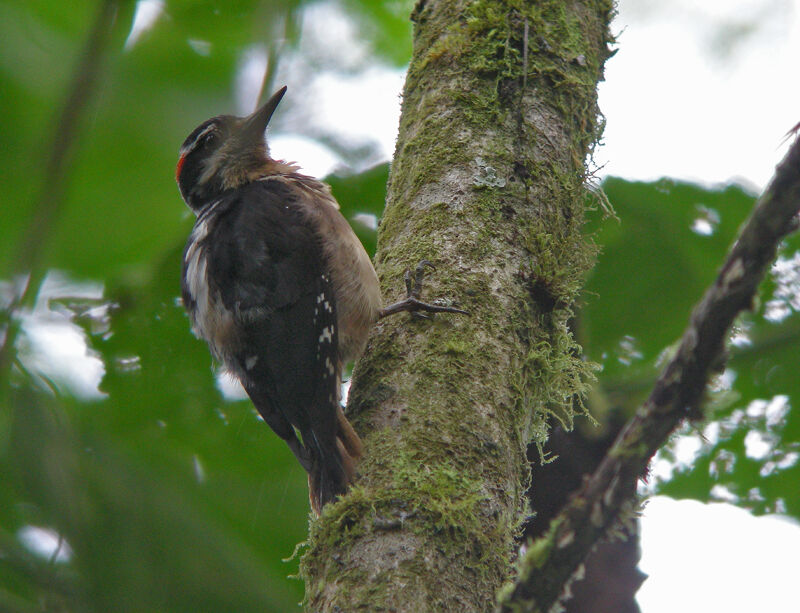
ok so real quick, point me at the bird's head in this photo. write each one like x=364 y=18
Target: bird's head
x=225 y=152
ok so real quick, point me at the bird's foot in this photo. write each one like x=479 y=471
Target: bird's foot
x=412 y=303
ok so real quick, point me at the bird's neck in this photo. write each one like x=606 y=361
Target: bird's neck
x=238 y=175
x=235 y=177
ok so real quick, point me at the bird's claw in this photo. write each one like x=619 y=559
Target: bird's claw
x=412 y=303
x=413 y=289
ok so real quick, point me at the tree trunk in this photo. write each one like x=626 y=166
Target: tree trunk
x=499 y=115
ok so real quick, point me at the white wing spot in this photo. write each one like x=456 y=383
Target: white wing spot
x=329 y=366
x=326 y=336
x=250 y=362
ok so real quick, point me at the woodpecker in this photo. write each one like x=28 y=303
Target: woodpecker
x=281 y=289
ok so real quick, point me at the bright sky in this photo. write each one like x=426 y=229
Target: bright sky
x=702 y=91
x=698 y=90
x=716 y=557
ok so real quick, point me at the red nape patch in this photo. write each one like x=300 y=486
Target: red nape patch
x=178 y=168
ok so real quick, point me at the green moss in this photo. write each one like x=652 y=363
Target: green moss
x=416 y=245
x=438 y=502
x=456 y=347
x=562 y=55
x=446 y=494
x=430 y=470
x=551 y=379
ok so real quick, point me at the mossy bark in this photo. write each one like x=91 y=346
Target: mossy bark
x=499 y=116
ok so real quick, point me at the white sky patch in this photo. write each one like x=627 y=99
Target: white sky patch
x=722 y=493
x=740 y=336
x=330 y=34
x=702 y=227
x=354 y=109
x=724 y=381
x=786 y=299
x=144 y=18
x=682 y=451
x=788 y=460
x=757 y=445
x=363 y=106
x=686 y=449
x=229 y=386
x=200 y=47
x=249 y=79
x=199 y=470
x=773 y=411
x=58 y=350
x=367 y=220
x=45 y=543
x=706 y=222
x=711 y=432
x=314 y=158
x=686 y=545
x=700 y=90
x=53 y=346
x=345 y=390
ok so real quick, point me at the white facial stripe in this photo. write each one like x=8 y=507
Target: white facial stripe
x=193 y=144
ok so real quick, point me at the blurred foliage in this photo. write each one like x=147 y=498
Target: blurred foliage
x=656 y=261
x=178 y=73
x=168 y=495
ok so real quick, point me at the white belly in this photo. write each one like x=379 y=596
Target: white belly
x=211 y=321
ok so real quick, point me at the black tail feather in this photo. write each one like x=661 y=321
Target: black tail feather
x=332 y=471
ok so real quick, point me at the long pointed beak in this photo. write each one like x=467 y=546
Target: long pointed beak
x=254 y=125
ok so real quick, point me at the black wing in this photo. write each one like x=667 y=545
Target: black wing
x=266 y=262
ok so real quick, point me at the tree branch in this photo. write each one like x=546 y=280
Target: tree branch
x=677 y=394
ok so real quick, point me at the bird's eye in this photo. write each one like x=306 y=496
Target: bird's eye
x=209 y=139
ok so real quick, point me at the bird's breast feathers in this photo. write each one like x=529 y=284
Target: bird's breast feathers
x=211 y=320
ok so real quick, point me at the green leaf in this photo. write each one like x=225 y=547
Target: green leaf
x=365 y=194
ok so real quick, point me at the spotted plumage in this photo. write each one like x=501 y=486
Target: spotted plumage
x=278 y=285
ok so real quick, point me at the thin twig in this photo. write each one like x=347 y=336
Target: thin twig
x=47 y=207
x=525 y=55
x=678 y=392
